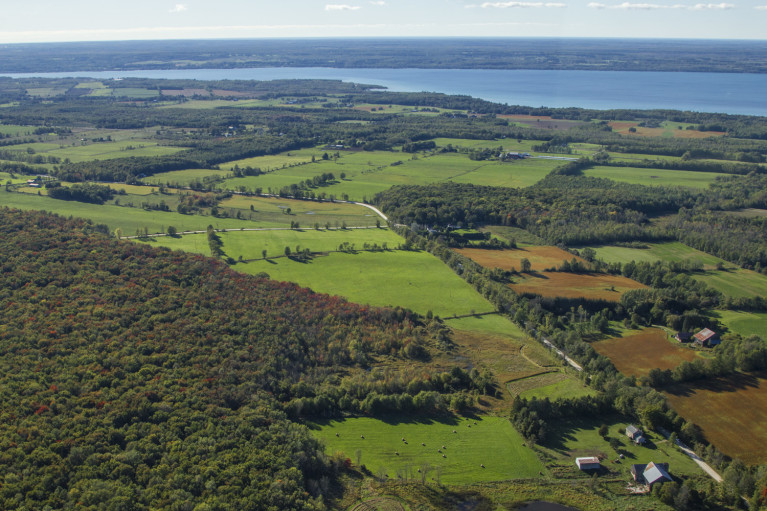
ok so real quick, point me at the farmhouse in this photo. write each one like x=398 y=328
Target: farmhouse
x=651 y=473
x=590 y=463
x=635 y=434
x=706 y=337
x=683 y=336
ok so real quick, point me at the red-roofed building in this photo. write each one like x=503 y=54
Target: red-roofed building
x=706 y=337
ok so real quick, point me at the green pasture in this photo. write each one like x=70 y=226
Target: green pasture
x=672 y=251
x=16 y=130
x=308 y=213
x=579 y=437
x=184 y=177
x=521 y=236
x=477 y=441
x=90 y=85
x=495 y=324
x=276 y=161
x=655 y=177
x=46 y=92
x=414 y=280
x=744 y=323
x=250 y=244
x=126 y=218
x=6 y=176
x=138 y=93
x=735 y=282
x=110 y=150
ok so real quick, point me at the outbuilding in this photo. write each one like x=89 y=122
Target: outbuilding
x=588 y=463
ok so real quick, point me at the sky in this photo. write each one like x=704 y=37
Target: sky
x=102 y=20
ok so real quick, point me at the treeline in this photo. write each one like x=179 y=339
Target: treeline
x=131 y=375
x=560 y=209
x=91 y=193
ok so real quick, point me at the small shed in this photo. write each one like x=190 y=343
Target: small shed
x=588 y=463
x=635 y=434
x=706 y=337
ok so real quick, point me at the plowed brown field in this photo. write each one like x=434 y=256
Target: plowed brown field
x=636 y=354
x=595 y=286
x=731 y=411
x=540 y=258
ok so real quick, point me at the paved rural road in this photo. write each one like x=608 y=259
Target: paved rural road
x=689 y=452
x=569 y=360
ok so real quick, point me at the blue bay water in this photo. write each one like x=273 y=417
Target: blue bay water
x=732 y=93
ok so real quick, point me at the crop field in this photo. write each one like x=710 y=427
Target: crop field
x=484 y=440
x=637 y=354
x=511 y=174
x=305 y=212
x=541 y=121
x=125 y=218
x=590 y=286
x=655 y=177
x=735 y=282
x=734 y=417
x=540 y=257
x=407 y=279
x=250 y=244
x=571 y=438
x=672 y=251
x=744 y=323
x=130 y=189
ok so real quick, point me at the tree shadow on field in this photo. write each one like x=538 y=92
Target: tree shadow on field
x=731 y=383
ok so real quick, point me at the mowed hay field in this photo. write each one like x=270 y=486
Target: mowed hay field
x=636 y=355
x=731 y=411
x=541 y=258
x=488 y=441
x=589 y=286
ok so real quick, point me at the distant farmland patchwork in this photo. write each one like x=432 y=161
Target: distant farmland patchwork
x=541 y=258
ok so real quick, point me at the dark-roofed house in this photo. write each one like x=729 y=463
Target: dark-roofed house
x=590 y=463
x=706 y=337
x=651 y=473
x=635 y=434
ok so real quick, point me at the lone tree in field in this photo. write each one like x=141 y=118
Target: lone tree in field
x=263 y=253
x=287 y=251
x=526 y=266
x=172 y=231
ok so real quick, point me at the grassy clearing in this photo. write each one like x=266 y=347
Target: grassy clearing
x=407 y=279
x=734 y=417
x=488 y=441
x=670 y=252
x=573 y=438
x=250 y=244
x=516 y=234
x=735 y=282
x=590 y=286
x=750 y=213
x=652 y=348
x=540 y=257
x=16 y=130
x=744 y=323
x=554 y=386
x=655 y=177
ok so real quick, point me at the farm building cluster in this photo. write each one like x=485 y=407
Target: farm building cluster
x=705 y=337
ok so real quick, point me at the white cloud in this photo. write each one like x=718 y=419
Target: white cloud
x=377 y=2
x=337 y=7
x=505 y=5
x=178 y=8
x=650 y=7
x=761 y=7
